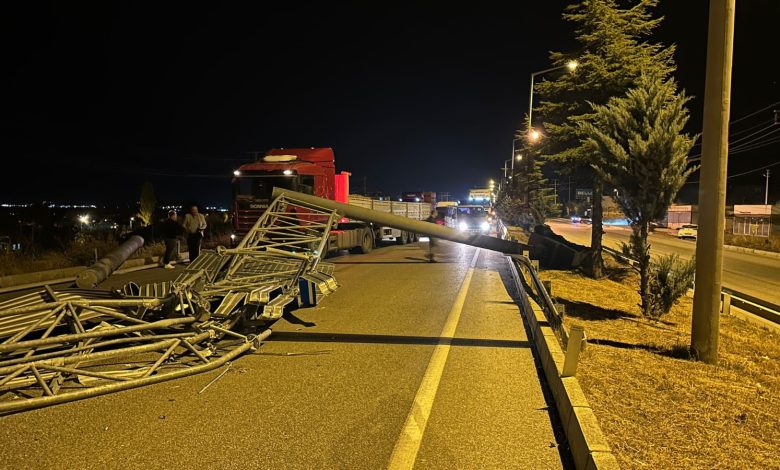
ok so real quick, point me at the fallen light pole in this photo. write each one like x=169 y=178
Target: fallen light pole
x=403 y=223
x=103 y=268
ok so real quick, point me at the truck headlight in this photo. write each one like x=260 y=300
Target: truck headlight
x=463 y=226
x=484 y=226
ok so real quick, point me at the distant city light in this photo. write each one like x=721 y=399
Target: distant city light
x=84 y=219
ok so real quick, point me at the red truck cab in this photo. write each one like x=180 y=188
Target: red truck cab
x=306 y=170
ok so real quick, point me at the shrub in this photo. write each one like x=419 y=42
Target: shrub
x=670 y=279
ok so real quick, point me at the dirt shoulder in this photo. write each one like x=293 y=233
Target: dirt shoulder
x=658 y=408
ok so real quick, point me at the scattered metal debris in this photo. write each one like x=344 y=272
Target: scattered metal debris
x=216 y=378
x=62 y=345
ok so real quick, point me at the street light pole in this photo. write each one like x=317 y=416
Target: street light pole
x=705 y=324
x=766 y=193
x=571 y=65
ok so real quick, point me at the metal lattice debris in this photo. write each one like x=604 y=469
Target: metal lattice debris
x=63 y=345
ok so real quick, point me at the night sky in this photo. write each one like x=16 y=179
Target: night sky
x=100 y=97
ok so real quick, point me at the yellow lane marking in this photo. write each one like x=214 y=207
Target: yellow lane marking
x=408 y=444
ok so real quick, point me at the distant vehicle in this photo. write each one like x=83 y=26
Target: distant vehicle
x=419 y=196
x=482 y=196
x=472 y=218
x=688 y=231
x=577 y=219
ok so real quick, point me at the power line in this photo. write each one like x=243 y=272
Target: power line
x=743 y=173
x=755 y=146
x=754 y=170
x=697 y=157
x=754 y=113
x=756 y=140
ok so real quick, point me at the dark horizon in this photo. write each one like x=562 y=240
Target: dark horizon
x=417 y=98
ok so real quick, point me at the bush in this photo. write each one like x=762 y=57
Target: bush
x=670 y=279
x=770 y=243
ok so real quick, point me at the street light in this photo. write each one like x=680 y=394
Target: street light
x=532 y=133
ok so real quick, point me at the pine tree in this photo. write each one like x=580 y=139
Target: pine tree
x=148 y=203
x=613 y=53
x=525 y=199
x=643 y=153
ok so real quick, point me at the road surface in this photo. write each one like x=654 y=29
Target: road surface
x=748 y=273
x=346 y=384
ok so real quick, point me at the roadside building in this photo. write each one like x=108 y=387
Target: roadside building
x=753 y=220
x=679 y=215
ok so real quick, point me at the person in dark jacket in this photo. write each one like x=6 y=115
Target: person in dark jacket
x=171 y=230
x=433 y=218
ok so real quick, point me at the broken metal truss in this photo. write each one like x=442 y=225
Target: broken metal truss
x=63 y=345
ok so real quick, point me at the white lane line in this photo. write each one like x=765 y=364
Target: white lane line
x=408 y=444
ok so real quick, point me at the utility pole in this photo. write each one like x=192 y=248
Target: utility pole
x=712 y=188
x=766 y=193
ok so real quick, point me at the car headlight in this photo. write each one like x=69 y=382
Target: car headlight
x=485 y=226
x=463 y=226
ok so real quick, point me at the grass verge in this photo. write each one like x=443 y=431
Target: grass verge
x=656 y=406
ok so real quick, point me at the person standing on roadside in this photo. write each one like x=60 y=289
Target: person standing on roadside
x=433 y=218
x=171 y=231
x=194 y=225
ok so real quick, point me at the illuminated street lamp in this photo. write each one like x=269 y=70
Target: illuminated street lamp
x=533 y=134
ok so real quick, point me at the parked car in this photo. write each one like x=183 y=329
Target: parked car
x=688 y=231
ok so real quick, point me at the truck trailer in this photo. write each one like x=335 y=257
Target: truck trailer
x=313 y=171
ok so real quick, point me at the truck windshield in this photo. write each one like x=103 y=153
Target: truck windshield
x=471 y=211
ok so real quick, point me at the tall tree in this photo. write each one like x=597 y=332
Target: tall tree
x=148 y=203
x=525 y=199
x=643 y=153
x=614 y=51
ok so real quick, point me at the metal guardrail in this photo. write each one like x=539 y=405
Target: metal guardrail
x=539 y=294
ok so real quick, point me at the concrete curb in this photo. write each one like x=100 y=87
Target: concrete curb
x=39 y=276
x=742 y=249
x=589 y=448
x=16 y=282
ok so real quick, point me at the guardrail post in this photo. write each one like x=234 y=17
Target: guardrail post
x=561 y=309
x=573 y=348
x=726 y=303
x=526 y=253
x=548 y=287
x=535 y=264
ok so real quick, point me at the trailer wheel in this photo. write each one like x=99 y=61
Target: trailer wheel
x=402 y=239
x=366 y=245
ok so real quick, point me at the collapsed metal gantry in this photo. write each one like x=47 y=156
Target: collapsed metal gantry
x=63 y=345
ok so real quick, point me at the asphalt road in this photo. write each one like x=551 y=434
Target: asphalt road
x=336 y=386
x=749 y=273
